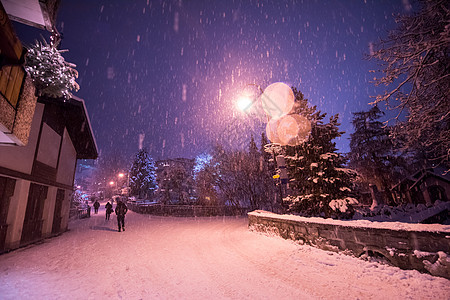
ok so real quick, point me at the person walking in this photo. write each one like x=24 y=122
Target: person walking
x=109 y=210
x=96 y=206
x=121 y=210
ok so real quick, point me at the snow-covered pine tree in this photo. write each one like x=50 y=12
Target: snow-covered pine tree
x=51 y=74
x=142 y=175
x=372 y=152
x=320 y=184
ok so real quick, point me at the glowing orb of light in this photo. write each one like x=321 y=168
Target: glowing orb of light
x=293 y=130
x=244 y=103
x=271 y=131
x=277 y=100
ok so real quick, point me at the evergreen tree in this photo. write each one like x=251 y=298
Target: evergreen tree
x=320 y=184
x=51 y=74
x=372 y=152
x=142 y=175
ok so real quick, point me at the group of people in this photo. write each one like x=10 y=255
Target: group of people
x=121 y=210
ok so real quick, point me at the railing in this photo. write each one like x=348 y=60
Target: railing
x=187 y=210
x=84 y=212
x=80 y=212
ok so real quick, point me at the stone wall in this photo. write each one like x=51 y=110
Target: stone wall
x=423 y=250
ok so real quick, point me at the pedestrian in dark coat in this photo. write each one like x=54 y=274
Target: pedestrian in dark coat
x=96 y=206
x=109 y=210
x=121 y=210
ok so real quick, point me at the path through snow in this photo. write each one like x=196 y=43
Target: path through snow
x=196 y=258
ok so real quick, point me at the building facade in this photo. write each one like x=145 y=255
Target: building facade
x=40 y=138
x=36 y=180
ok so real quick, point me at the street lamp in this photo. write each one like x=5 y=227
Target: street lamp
x=283 y=127
x=127 y=182
x=244 y=103
x=277 y=101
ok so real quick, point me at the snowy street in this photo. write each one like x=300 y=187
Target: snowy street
x=196 y=258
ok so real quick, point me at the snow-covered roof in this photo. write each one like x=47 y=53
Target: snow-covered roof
x=427 y=174
x=415 y=178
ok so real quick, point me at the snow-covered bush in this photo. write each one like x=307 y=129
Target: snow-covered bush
x=344 y=207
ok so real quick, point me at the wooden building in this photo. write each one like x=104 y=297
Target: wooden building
x=423 y=187
x=36 y=180
x=40 y=138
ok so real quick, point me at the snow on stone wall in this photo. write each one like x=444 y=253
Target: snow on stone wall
x=408 y=246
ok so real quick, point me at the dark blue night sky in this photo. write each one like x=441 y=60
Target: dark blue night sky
x=172 y=69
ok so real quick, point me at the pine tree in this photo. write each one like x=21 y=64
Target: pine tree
x=320 y=184
x=51 y=74
x=142 y=175
x=372 y=152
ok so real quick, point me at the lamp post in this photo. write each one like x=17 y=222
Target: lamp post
x=121 y=176
x=113 y=183
x=272 y=109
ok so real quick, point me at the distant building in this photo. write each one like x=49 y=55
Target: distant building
x=423 y=187
x=186 y=163
x=172 y=192
x=40 y=139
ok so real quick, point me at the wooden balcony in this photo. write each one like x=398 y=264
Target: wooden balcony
x=17 y=92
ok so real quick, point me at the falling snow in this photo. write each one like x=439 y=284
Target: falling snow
x=192 y=60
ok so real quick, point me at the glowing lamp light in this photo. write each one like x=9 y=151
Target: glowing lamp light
x=111 y=183
x=289 y=130
x=277 y=100
x=121 y=175
x=244 y=103
x=271 y=131
x=293 y=129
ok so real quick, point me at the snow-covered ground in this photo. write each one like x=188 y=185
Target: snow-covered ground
x=196 y=258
